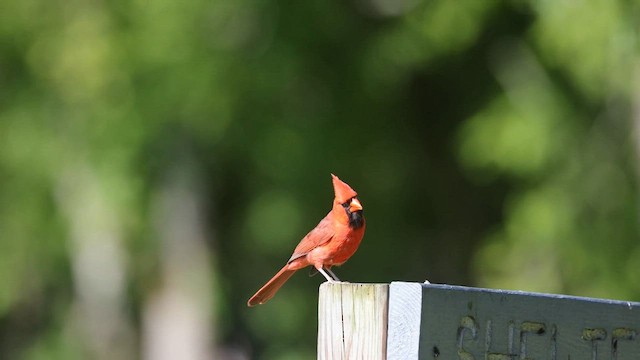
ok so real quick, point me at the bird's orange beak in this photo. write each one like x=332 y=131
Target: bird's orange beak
x=355 y=205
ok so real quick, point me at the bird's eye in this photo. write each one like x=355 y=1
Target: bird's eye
x=347 y=204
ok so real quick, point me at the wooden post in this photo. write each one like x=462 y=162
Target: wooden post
x=352 y=321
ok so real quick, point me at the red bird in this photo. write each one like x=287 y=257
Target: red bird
x=331 y=242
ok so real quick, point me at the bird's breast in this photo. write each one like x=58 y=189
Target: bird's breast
x=342 y=250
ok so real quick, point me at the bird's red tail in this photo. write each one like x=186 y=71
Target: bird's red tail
x=271 y=287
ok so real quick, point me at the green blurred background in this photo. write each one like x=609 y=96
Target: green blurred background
x=159 y=161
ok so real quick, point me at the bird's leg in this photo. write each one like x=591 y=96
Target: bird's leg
x=324 y=273
x=333 y=275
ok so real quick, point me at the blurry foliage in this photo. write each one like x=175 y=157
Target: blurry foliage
x=492 y=144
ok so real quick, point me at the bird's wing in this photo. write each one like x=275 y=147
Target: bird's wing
x=321 y=234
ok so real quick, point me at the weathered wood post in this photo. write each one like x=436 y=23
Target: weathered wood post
x=352 y=321
x=426 y=321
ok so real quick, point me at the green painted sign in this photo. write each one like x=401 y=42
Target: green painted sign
x=429 y=321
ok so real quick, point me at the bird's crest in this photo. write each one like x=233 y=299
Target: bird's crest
x=342 y=191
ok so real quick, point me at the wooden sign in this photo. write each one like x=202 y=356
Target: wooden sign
x=423 y=321
x=428 y=321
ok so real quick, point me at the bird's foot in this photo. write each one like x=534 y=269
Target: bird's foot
x=333 y=275
x=326 y=275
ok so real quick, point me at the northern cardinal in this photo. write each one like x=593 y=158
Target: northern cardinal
x=331 y=242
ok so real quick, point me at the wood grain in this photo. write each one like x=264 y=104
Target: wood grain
x=405 y=307
x=352 y=321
